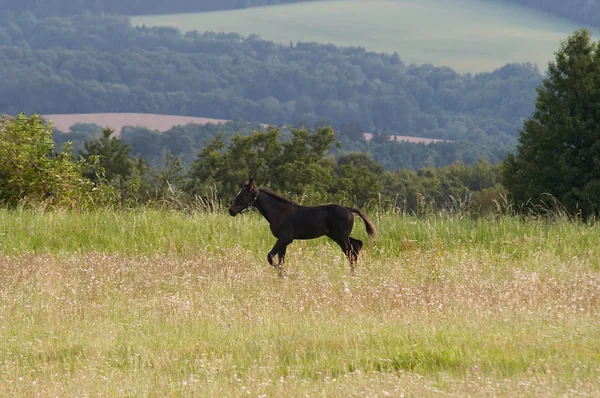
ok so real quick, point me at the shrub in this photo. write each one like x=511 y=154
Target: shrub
x=31 y=173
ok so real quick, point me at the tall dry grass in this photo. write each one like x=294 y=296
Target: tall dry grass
x=152 y=303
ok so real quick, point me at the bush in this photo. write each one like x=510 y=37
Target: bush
x=31 y=173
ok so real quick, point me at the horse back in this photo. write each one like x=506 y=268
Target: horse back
x=308 y=222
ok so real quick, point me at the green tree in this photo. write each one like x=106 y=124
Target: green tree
x=30 y=171
x=204 y=173
x=255 y=155
x=302 y=165
x=305 y=166
x=114 y=163
x=559 y=147
x=161 y=184
x=359 y=177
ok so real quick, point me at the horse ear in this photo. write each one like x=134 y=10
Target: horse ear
x=248 y=184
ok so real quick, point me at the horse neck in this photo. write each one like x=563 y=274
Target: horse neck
x=269 y=206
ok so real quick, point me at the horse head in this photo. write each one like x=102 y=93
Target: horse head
x=245 y=198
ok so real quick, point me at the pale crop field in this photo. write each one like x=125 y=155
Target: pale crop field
x=156 y=303
x=467 y=35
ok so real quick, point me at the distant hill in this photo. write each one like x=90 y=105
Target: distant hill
x=101 y=64
x=467 y=35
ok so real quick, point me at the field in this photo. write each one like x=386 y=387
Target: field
x=157 y=303
x=117 y=121
x=467 y=35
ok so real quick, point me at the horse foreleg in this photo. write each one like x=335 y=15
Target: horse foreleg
x=281 y=256
x=279 y=249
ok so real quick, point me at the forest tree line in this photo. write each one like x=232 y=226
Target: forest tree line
x=33 y=170
x=185 y=141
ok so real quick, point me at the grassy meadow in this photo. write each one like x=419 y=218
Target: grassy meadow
x=467 y=35
x=157 y=303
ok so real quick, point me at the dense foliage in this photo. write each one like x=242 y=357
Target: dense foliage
x=129 y=7
x=304 y=168
x=30 y=171
x=559 y=147
x=299 y=163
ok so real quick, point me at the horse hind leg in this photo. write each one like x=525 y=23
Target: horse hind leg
x=348 y=250
x=356 y=244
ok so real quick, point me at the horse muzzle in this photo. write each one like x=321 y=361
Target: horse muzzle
x=233 y=211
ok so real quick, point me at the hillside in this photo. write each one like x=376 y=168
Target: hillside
x=467 y=35
x=103 y=65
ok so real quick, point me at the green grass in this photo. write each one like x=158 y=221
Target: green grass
x=150 y=303
x=467 y=35
x=149 y=232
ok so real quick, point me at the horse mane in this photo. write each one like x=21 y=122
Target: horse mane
x=277 y=196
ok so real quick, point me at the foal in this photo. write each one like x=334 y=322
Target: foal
x=289 y=220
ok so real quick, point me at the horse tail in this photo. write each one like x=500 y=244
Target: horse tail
x=370 y=227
